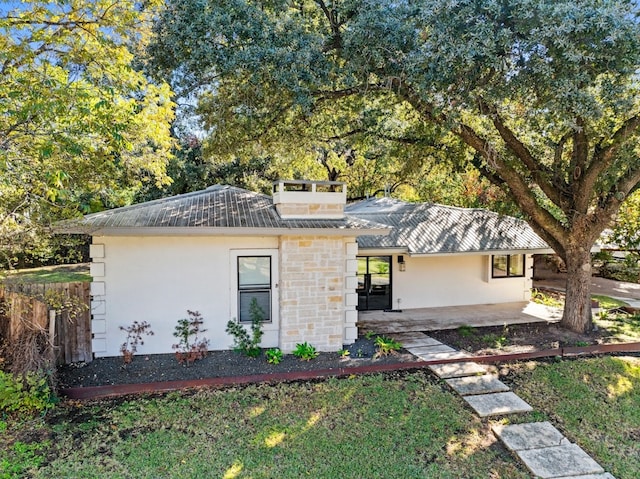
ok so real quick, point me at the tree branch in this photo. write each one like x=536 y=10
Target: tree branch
x=603 y=157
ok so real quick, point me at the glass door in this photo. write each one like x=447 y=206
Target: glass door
x=374 y=282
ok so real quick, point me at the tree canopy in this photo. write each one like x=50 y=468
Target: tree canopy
x=77 y=115
x=543 y=93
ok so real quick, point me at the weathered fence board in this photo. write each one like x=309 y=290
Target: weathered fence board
x=25 y=308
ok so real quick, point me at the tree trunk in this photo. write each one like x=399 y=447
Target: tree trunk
x=577 y=306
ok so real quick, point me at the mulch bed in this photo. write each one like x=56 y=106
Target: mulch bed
x=484 y=341
x=165 y=367
x=517 y=338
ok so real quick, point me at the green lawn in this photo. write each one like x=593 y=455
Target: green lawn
x=49 y=274
x=407 y=426
x=595 y=402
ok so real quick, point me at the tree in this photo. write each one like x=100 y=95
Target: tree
x=79 y=122
x=543 y=93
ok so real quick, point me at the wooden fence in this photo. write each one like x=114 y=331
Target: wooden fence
x=24 y=308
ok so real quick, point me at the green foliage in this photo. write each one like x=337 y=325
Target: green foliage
x=305 y=351
x=248 y=344
x=386 y=346
x=540 y=297
x=465 y=331
x=274 y=355
x=81 y=124
x=28 y=395
x=344 y=353
x=189 y=347
x=21 y=459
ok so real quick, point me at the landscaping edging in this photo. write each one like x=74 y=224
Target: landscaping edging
x=94 y=392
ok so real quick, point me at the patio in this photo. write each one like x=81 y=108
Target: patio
x=451 y=317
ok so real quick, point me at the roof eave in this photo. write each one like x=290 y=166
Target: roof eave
x=223 y=231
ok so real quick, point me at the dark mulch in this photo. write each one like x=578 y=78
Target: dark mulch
x=164 y=367
x=517 y=338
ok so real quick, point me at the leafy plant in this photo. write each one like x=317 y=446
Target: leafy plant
x=27 y=395
x=386 y=346
x=545 y=299
x=305 y=351
x=244 y=342
x=369 y=335
x=190 y=347
x=274 y=356
x=344 y=353
x=465 y=331
x=134 y=338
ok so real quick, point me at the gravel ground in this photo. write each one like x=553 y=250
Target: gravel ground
x=164 y=367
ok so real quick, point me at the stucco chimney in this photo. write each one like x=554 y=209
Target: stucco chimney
x=303 y=199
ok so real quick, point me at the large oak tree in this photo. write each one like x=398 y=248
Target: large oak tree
x=543 y=92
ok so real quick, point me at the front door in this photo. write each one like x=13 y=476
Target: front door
x=374 y=282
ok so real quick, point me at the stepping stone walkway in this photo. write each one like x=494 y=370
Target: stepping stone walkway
x=540 y=446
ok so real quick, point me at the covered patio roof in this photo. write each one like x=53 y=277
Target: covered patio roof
x=452 y=317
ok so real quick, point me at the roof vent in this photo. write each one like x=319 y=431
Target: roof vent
x=303 y=199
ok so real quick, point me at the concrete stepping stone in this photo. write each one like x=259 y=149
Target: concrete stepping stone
x=477 y=385
x=606 y=475
x=457 y=370
x=559 y=461
x=438 y=348
x=497 y=404
x=415 y=340
x=533 y=435
x=444 y=355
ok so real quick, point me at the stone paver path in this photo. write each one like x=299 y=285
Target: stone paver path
x=540 y=446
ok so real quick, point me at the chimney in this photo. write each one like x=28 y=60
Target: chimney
x=305 y=199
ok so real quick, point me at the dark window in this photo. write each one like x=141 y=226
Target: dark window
x=254 y=282
x=507 y=265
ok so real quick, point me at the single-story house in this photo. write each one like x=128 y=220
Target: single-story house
x=308 y=259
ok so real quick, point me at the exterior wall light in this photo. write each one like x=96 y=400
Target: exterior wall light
x=402 y=266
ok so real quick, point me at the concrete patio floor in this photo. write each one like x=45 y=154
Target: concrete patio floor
x=451 y=317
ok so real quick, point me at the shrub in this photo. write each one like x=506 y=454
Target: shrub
x=134 y=338
x=28 y=395
x=305 y=351
x=189 y=347
x=274 y=356
x=386 y=346
x=243 y=342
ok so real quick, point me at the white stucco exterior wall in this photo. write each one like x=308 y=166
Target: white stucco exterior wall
x=455 y=281
x=157 y=278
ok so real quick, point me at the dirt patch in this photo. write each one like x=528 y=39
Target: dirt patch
x=164 y=367
x=518 y=338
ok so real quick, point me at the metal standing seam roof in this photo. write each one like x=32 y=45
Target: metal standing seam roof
x=425 y=228
x=218 y=206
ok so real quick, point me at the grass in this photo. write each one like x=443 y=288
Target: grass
x=607 y=302
x=378 y=426
x=48 y=274
x=595 y=402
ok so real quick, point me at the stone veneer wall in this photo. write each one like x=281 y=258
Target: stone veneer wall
x=317 y=291
x=305 y=210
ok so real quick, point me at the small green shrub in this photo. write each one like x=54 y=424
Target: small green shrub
x=344 y=353
x=305 y=351
x=386 y=346
x=26 y=396
x=465 y=331
x=274 y=356
x=190 y=347
x=243 y=342
x=369 y=335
